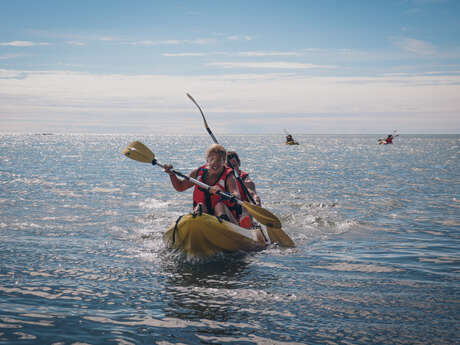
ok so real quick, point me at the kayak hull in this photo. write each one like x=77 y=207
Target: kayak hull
x=292 y=143
x=205 y=235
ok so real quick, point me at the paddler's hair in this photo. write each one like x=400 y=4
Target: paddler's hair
x=233 y=154
x=218 y=149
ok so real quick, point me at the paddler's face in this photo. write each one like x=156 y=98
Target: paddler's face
x=234 y=162
x=214 y=162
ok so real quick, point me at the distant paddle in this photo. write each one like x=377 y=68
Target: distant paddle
x=141 y=153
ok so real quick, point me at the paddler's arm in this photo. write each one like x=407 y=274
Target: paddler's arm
x=252 y=190
x=232 y=186
x=179 y=184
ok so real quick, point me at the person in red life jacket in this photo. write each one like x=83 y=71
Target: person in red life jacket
x=389 y=139
x=219 y=177
x=234 y=161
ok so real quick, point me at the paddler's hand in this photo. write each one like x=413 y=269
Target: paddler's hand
x=214 y=190
x=168 y=168
x=257 y=200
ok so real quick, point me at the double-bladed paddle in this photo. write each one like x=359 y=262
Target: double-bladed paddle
x=235 y=172
x=141 y=153
x=275 y=233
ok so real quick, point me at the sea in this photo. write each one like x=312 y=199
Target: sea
x=376 y=228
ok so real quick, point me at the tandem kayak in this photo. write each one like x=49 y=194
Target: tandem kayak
x=292 y=143
x=205 y=235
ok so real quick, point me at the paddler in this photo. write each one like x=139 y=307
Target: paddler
x=234 y=161
x=219 y=177
x=289 y=138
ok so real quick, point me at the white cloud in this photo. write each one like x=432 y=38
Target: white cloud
x=9 y=56
x=239 y=38
x=154 y=43
x=76 y=43
x=9 y=74
x=106 y=38
x=198 y=41
x=202 y=41
x=245 y=54
x=183 y=54
x=23 y=44
x=265 y=53
x=414 y=46
x=269 y=65
x=70 y=97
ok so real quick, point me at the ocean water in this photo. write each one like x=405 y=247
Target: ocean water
x=376 y=227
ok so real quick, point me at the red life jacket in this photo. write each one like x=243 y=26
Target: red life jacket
x=201 y=195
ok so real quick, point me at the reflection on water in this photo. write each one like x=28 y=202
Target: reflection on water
x=376 y=229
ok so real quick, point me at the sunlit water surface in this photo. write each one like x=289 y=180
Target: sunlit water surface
x=376 y=229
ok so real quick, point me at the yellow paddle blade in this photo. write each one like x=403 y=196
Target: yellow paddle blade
x=262 y=215
x=277 y=235
x=139 y=152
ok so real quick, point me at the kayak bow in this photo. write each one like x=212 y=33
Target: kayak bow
x=205 y=235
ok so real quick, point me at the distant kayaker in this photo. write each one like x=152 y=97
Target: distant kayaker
x=219 y=177
x=389 y=139
x=289 y=138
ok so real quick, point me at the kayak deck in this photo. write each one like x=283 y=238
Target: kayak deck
x=206 y=235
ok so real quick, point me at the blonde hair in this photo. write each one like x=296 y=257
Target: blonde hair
x=218 y=149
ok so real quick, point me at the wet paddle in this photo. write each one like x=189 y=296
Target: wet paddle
x=141 y=153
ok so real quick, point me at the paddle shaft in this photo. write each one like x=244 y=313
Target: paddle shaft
x=240 y=180
x=204 y=119
x=141 y=153
x=225 y=195
x=235 y=172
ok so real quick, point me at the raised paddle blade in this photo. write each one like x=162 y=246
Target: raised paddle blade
x=262 y=215
x=277 y=235
x=139 y=152
x=204 y=119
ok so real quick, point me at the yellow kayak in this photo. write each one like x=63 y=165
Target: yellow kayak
x=292 y=143
x=205 y=235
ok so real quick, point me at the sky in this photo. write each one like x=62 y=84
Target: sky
x=255 y=67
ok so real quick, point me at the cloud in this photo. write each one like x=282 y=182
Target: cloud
x=270 y=65
x=71 y=97
x=414 y=46
x=24 y=44
x=239 y=38
x=76 y=43
x=265 y=53
x=11 y=74
x=154 y=43
x=198 y=41
x=202 y=41
x=244 y=54
x=183 y=54
x=10 y=56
